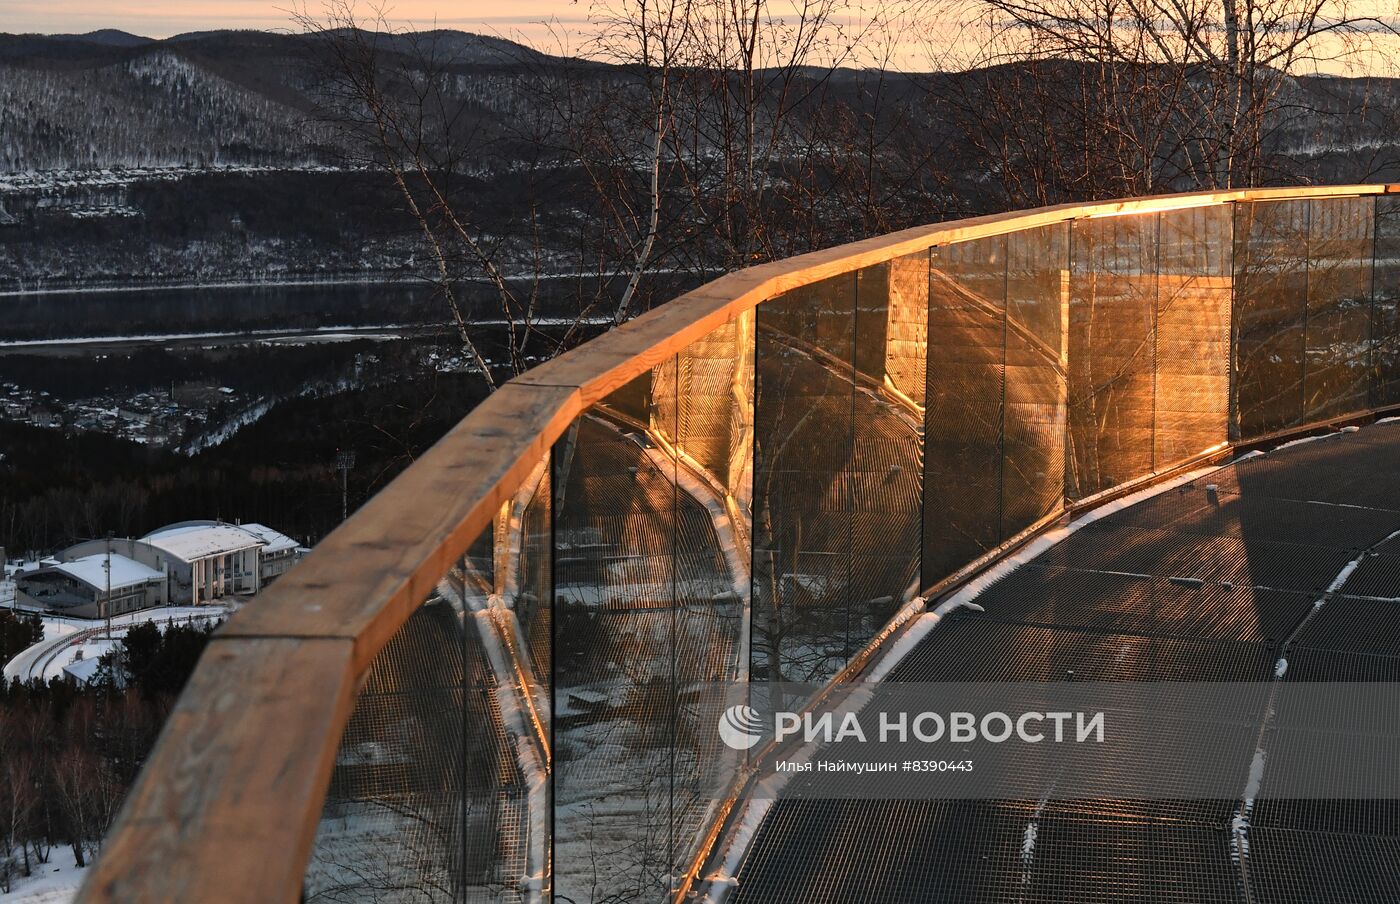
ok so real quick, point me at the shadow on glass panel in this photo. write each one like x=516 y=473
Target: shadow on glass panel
x=963 y=417
x=1271 y=290
x=614 y=647
x=1037 y=337
x=713 y=443
x=1337 y=370
x=426 y=801
x=1194 y=284
x=523 y=569
x=802 y=482
x=1385 y=324
x=1112 y=355
x=651 y=598
x=887 y=459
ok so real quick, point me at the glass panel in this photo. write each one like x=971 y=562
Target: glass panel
x=1271 y=288
x=426 y=800
x=1385 y=329
x=714 y=442
x=714 y=416
x=529 y=594
x=1113 y=288
x=614 y=645
x=802 y=482
x=963 y=421
x=1193 y=332
x=1336 y=375
x=906 y=335
x=887 y=460
x=475 y=577
x=1037 y=315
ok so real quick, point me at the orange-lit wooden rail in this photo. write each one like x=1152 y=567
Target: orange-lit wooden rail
x=227 y=806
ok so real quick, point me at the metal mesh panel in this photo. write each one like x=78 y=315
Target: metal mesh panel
x=1113 y=290
x=1337 y=371
x=1194 y=282
x=818 y=850
x=1385 y=323
x=714 y=443
x=614 y=647
x=803 y=441
x=1271 y=291
x=1037 y=355
x=651 y=603
x=887 y=462
x=1322 y=868
x=963 y=420
x=426 y=802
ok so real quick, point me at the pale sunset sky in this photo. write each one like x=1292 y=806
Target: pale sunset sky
x=163 y=18
x=551 y=25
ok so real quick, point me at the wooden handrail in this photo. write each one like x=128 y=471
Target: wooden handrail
x=228 y=804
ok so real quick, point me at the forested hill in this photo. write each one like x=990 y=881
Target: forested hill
x=214 y=98
x=249 y=98
x=207 y=157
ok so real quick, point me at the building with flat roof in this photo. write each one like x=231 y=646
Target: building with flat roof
x=93 y=586
x=209 y=560
x=279 y=552
x=193 y=562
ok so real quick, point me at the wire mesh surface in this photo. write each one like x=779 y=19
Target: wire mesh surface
x=1102 y=606
x=838 y=473
x=426 y=801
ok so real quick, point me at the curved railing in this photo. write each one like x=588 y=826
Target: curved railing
x=495 y=681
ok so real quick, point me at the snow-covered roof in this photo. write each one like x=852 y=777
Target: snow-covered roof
x=199 y=541
x=91 y=570
x=273 y=541
x=83 y=669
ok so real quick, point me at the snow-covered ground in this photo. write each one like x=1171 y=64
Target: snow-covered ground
x=342 y=331
x=55 y=882
x=70 y=640
x=108 y=177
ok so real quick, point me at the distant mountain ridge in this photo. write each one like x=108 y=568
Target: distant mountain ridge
x=112 y=37
x=203 y=157
x=110 y=98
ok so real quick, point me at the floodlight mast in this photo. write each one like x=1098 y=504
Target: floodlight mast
x=344 y=462
x=107 y=602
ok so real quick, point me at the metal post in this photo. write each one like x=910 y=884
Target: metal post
x=107 y=603
x=344 y=462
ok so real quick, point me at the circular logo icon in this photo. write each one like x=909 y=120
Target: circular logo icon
x=740 y=726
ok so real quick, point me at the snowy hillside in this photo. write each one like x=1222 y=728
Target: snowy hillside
x=214 y=98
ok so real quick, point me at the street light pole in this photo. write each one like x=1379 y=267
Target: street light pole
x=344 y=462
x=107 y=567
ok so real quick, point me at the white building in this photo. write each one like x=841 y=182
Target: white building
x=209 y=560
x=93 y=586
x=279 y=552
x=193 y=561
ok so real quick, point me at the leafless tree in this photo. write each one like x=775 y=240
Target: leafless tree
x=1083 y=99
x=18 y=799
x=760 y=131
x=695 y=136
x=392 y=93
